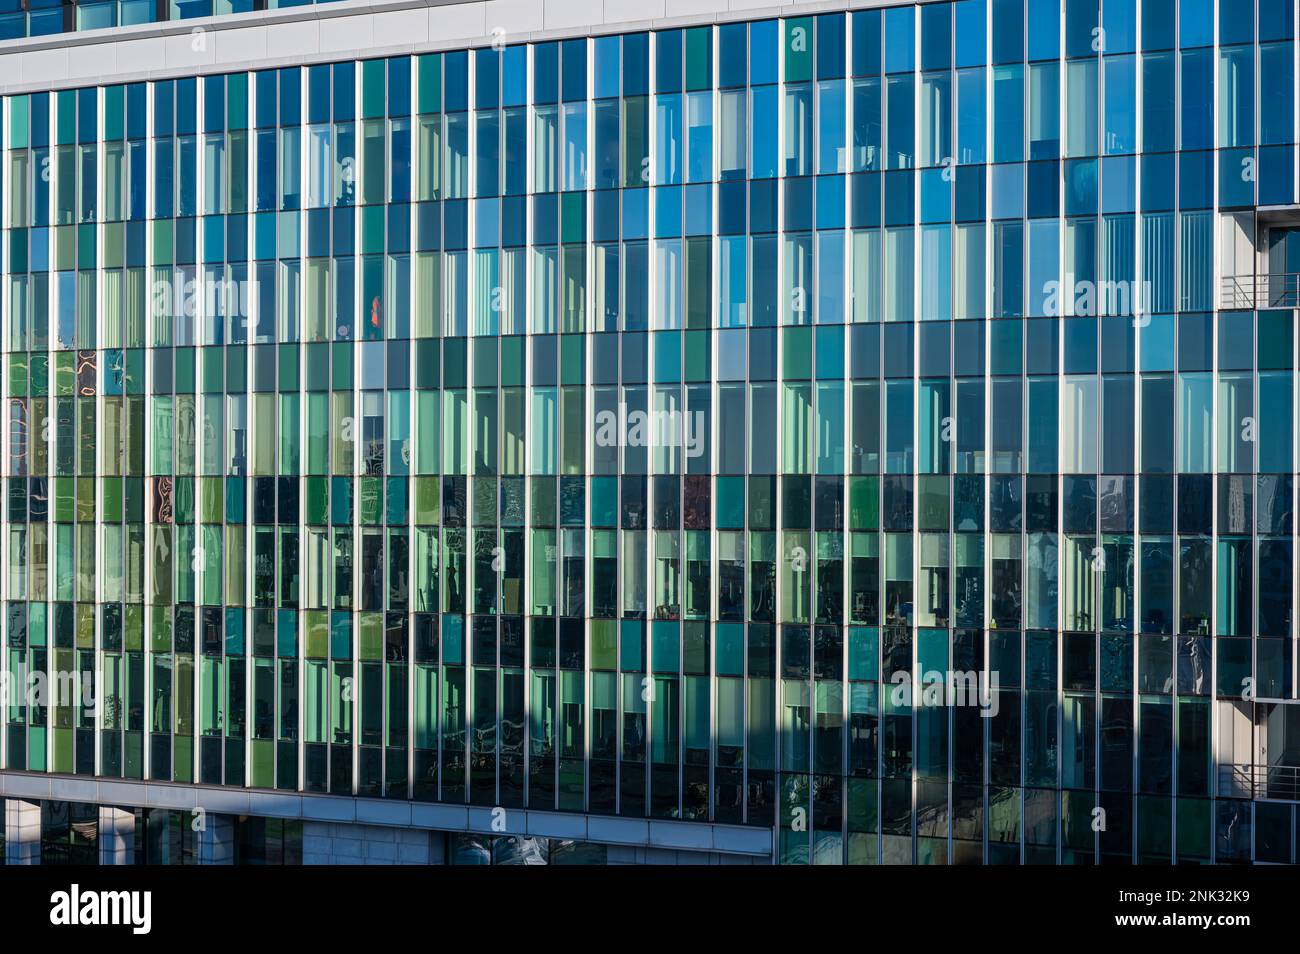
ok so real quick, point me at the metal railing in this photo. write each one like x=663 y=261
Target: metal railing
x=1250 y=292
x=1260 y=781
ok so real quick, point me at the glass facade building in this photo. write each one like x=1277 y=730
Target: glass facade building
x=877 y=426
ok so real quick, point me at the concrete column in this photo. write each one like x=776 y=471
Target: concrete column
x=216 y=840
x=22 y=832
x=317 y=843
x=330 y=843
x=116 y=836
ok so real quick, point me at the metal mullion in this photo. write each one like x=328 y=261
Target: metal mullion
x=778 y=629
x=846 y=370
x=1141 y=319
x=358 y=423
x=412 y=426
x=987 y=594
x=1067 y=282
x=918 y=238
x=679 y=453
x=147 y=608
x=588 y=468
x=250 y=279
x=51 y=443
x=100 y=187
x=526 y=531
x=7 y=319
x=6 y=329
x=327 y=568
x=300 y=627
x=648 y=574
x=200 y=316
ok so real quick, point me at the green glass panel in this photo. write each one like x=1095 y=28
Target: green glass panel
x=796 y=357
x=604 y=638
x=699 y=353
x=699 y=59
x=864 y=503
x=373 y=88
x=429 y=78
x=798 y=49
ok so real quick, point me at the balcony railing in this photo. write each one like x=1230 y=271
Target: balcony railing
x=1251 y=292
x=1260 y=781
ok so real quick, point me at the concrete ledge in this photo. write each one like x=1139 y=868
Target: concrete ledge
x=115 y=793
x=619 y=831
x=742 y=840
x=505 y=821
x=172 y=796
x=230 y=802
x=352 y=29
x=655 y=833
x=687 y=835
x=277 y=805
x=74 y=789
x=557 y=825
x=27 y=786
x=216 y=24
x=436 y=815
x=373 y=812
x=327 y=808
